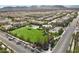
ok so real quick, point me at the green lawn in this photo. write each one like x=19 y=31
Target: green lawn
x=30 y=34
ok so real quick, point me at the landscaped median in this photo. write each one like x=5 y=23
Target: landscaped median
x=4 y=48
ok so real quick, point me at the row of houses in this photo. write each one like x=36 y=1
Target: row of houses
x=4 y=21
x=62 y=20
x=13 y=25
x=35 y=22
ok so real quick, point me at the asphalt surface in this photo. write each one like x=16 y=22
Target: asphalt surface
x=64 y=42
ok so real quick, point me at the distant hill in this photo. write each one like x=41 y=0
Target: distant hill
x=59 y=6
x=72 y=6
x=13 y=8
x=34 y=7
x=52 y=7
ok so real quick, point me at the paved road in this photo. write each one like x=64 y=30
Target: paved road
x=11 y=44
x=64 y=41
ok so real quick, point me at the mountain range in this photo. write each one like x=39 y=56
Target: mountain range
x=35 y=7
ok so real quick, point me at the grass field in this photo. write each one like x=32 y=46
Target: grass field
x=30 y=34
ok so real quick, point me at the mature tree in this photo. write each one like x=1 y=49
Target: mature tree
x=60 y=31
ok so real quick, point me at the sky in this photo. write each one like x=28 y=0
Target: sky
x=38 y=2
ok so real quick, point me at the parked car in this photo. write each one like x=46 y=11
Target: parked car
x=19 y=42
x=11 y=39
